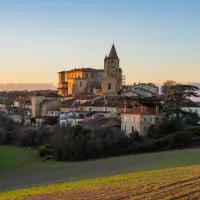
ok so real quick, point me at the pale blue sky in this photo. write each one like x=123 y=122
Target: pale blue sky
x=155 y=39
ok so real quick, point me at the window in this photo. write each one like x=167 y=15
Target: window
x=125 y=119
x=75 y=75
x=109 y=86
x=133 y=129
x=112 y=61
x=125 y=127
x=92 y=75
x=80 y=84
x=133 y=119
x=86 y=75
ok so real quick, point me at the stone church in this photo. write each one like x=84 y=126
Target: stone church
x=93 y=81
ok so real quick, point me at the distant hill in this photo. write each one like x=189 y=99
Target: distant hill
x=26 y=86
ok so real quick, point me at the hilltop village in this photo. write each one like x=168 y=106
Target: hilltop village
x=92 y=98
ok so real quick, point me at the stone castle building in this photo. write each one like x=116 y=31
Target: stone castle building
x=91 y=81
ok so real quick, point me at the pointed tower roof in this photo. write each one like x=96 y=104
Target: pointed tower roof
x=113 y=53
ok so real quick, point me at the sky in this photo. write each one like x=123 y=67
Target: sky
x=156 y=40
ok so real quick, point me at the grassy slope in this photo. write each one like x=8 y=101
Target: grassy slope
x=31 y=172
x=172 y=183
x=16 y=158
x=12 y=157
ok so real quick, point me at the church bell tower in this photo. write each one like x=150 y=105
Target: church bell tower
x=112 y=75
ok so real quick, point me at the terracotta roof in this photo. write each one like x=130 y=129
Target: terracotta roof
x=100 y=103
x=71 y=103
x=142 y=110
x=52 y=95
x=113 y=53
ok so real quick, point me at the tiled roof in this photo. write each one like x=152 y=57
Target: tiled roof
x=100 y=122
x=111 y=103
x=142 y=110
x=52 y=95
x=71 y=103
x=85 y=97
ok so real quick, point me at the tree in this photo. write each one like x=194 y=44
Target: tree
x=175 y=98
x=166 y=86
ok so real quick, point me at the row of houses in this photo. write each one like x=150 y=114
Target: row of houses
x=91 y=111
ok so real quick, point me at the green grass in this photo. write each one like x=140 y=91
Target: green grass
x=12 y=157
x=172 y=183
x=22 y=167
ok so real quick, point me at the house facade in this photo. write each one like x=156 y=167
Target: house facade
x=139 y=119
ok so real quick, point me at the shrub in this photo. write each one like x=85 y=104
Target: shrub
x=33 y=137
x=26 y=137
x=78 y=143
x=135 y=136
x=164 y=127
x=8 y=129
x=44 y=150
x=194 y=129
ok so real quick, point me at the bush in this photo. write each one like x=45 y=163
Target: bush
x=26 y=137
x=175 y=140
x=78 y=143
x=165 y=127
x=135 y=136
x=8 y=129
x=194 y=129
x=33 y=137
x=44 y=150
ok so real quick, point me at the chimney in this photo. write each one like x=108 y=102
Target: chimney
x=157 y=110
x=125 y=107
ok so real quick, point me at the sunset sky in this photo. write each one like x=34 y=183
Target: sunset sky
x=155 y=40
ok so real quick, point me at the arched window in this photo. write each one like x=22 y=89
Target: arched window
x=80 y=84
x=109 y=86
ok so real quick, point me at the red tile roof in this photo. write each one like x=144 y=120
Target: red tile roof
x=142 y=110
